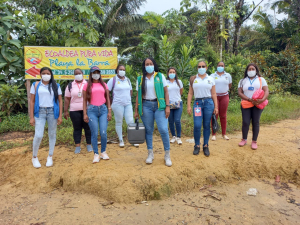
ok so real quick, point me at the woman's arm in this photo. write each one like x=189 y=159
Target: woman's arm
x=108 y=105
x=167 y=110
x=31 y=111
x=230 y=85
x=189 y=100
x=66 y=107
x=59 y=120
x=136 y=113
x=85 y=116
x=214 y=97
x=181 y=91
x=242 y=96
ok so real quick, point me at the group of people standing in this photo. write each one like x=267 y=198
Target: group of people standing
x=158 y=98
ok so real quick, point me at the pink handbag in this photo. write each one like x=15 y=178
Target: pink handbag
x=259 y=94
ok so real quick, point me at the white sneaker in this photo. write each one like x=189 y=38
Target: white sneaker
x=136 y=145
x=179 y=141
x=173 y=139
x=49 y=161
x=225 y=137
x=36 y=163
x=167 y=158
x=213 y=138
x=122 y=144
x=96 y=158
x=150 y=157
x=104 y=156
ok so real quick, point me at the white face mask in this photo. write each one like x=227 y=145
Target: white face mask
x=251 y=73
x=79 y=77
x=96 y=76
x=122 y=73
x=46 y=77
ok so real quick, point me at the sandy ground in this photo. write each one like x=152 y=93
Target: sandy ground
x=125 y=179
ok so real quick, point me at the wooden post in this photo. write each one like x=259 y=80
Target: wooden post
x=28 y=95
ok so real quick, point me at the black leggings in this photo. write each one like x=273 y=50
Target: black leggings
x=78 y=124
x=253 y=113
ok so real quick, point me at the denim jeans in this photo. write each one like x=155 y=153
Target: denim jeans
x=45 y=114
x=121 y=111
x=151 y=113
x=98 y=119
x=207 y=109
x=174 y=118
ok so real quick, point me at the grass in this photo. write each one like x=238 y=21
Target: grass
x=279 y=108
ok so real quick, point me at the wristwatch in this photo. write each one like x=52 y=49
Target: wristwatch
x=168 y=105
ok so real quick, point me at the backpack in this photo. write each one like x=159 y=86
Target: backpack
x=111 y=96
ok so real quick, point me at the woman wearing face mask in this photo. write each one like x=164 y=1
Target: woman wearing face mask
x=223 y=83
x=152 y=103
x=121 y=89
x=45 y=105
x=74 y=99
x=203 y=88
x=175 y=89
x=96 y=94
x=251 y=82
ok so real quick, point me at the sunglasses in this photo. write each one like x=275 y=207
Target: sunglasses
x=201 y=66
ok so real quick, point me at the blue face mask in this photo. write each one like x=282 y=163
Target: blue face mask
x=202 y=71
x=150 y=69
x=172 y=75
x=220 y=69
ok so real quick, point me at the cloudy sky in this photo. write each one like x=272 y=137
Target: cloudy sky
x=160 y=6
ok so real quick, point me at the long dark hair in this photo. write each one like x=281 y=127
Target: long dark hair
x=176 y=78
x=256 y=67
x=145 y=73
x=118 y=67
x=89 y=87
x=78 y=69
x=52 y=82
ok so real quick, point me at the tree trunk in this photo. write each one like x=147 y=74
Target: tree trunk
x=221 y=28
x=227 y=30
x=236 y=36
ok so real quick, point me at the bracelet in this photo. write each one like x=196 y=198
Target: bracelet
x=109 y=108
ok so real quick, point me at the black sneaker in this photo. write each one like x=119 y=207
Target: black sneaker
x=196 y=150
x=206 y=151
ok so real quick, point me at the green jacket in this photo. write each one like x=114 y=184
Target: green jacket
x=159 y=91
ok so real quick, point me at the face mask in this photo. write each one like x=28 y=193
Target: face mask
x=150 y=69
x=202 y=71
x=78 y=77
x=46 y=77
x=251 y=73
x=96 y=76
x=220 y=69
x=172 y=75
x=122 y=73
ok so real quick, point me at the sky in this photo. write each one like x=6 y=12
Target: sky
x=160 y=6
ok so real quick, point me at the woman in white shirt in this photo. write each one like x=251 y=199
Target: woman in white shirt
x=45 y=105
x=223 y=83
x=203 y=88
x=251 y=82
x=175 y=88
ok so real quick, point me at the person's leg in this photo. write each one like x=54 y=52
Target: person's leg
x=52 y=126
x=197 y=122
x=118 y=113
x=87 y=132
x=177 y=120
x=128 y=114
x=103 y=126
x=223 y=106
x=39 y=132
x=92 y=112
x=171 y=123
x=148 y=121
x=77 y=121
x=207 y=111
x=246 y=116
x=256 y=113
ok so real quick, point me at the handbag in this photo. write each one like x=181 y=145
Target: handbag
x=175 y=104
x=259 y=94
x=215 y=125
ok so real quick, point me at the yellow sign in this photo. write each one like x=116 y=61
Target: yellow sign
x=64 y=60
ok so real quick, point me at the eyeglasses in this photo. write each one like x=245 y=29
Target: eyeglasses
x=201 y=66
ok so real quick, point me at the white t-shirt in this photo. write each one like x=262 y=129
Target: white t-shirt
x=174 y=90
x=149 y=85
x=121 y=92
x=45 y=98
x=202 y=87
x=250 y=86
x=222 y=83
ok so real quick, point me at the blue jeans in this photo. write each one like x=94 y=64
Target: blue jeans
x=151 y=113
x=207 y=109
x=45 y=114
x=98 y=119
x=175 y=117
x=121 y=111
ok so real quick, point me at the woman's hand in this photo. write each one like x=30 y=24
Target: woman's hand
x=136 y=115
x=66 y=115
x=189 y=110
x=32 y=121
x=257 y=101
x=216 y=111
x=109 y=115
x=86 y=118
x=59 y=120
x=167 y=111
